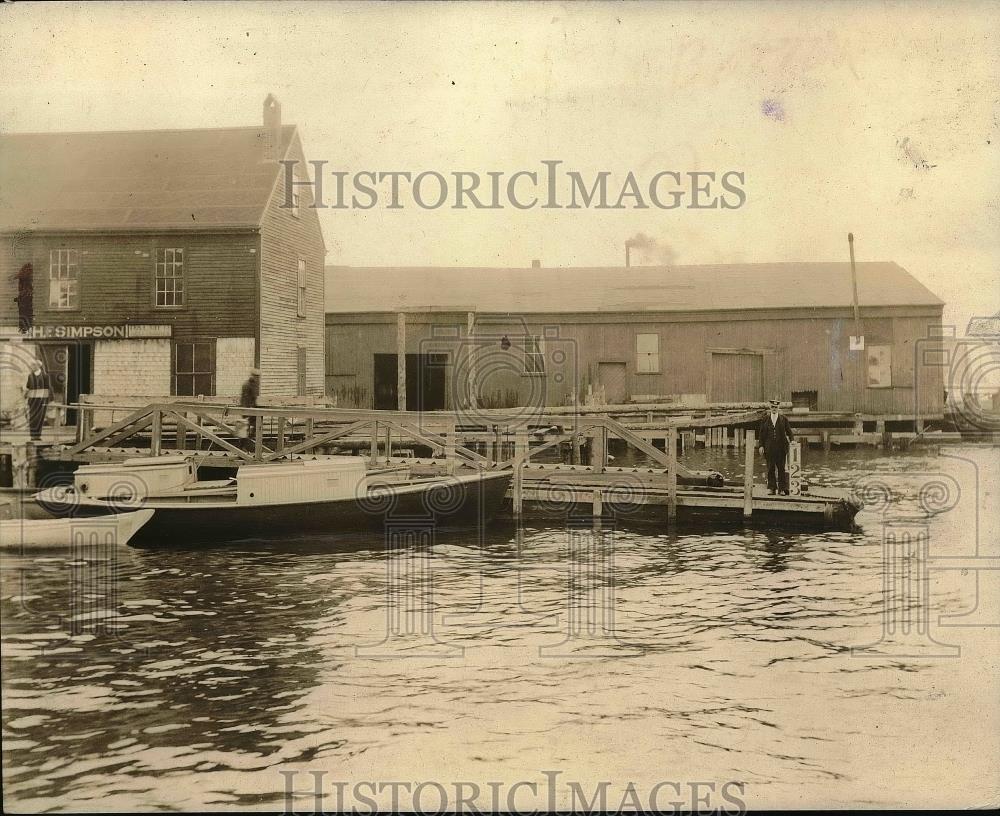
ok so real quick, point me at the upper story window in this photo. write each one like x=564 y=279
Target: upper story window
x=647 y=353
x=64 y=268
x=301 y=289
x=169 y=277
x=534 y=358
x=295 y=205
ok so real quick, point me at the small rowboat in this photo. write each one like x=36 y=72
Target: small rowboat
x=28 y=535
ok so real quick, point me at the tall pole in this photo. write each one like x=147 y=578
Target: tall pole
x=860 y=358
x=470 y=325
x=854 y=286
x=400 y=361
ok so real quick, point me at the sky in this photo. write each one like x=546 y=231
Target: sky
x=879 y=119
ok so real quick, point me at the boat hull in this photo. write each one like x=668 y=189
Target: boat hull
x=468 y=501
x=28 y=535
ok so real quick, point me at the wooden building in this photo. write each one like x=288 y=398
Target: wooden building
x=717 y=334
x=161 y=262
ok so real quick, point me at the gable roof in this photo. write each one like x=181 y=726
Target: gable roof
x=619 y=289
x=136 y=180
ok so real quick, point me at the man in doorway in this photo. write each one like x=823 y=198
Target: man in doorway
x=37 y=395
x=248 y=399
x=774 y=434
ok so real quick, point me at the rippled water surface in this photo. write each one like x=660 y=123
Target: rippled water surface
x=634 y=655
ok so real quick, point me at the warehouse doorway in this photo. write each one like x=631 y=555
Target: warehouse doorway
x=737 y=377
x=613 y=377
x=425 y=382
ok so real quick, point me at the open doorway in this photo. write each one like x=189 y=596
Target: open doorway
x=70 y=369
x=426 y=378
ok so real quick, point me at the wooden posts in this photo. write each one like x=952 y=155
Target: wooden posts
x=470 y=325
x=401 y=361
x=671 y=475
x=374 y=443
x=258 y=442
x=885 y=437
x=24 y=464
x=597 y=504
x=280 y=439
x=156 y=441
x=449 y=448
x=181 y=435
x=751 y=446
x=599 y=449
x=521 y=452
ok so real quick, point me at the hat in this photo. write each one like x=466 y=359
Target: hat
x=774 y=403
x=255 y=371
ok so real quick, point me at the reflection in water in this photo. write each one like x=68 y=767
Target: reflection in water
x=777 y=547
x=624 y=654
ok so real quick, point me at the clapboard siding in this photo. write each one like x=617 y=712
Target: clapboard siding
x=803 y=353
x=284 y=240
x=116 y=281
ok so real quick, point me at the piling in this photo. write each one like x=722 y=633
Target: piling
x=156 y=441
x=672 y=476
x=599 y=450
x=748 y=473
x=521 y=449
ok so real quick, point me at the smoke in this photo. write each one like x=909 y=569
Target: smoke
x=647 y=250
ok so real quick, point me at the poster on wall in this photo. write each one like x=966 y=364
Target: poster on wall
x=879 y=366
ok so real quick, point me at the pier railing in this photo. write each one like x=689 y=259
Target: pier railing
x=488 y=440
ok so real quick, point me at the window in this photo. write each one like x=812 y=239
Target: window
x=805 y=399
x=534 y=361
x=301 y=285
x=879 y=366
x=194 y=369
x=170 y=277
x=647 y=353
x=64 y=267
x=295 y=205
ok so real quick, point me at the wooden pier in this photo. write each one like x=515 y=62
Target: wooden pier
x=661 y=489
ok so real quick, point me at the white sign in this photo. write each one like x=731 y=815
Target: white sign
x=794 y=468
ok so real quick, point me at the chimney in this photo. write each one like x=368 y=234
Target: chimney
x=628 y=255
x=536 y=264
x=272 y=128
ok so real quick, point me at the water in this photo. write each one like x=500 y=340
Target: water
x=729 y=657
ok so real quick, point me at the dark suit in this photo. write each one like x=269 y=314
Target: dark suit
x=248 y=399
x=774 y=439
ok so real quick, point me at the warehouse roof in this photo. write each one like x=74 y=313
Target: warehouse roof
x=619 y=289
x=136 y=180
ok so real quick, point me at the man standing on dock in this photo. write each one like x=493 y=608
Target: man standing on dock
x=774 y=434
x=36 y=394
x=248 y=399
